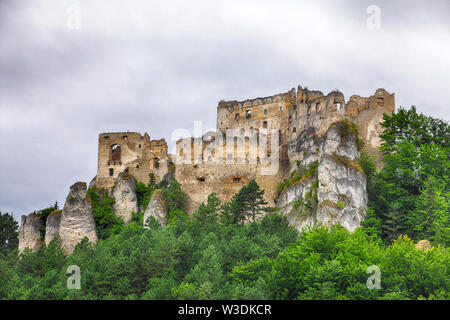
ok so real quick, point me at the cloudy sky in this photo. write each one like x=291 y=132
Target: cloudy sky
x=72 y=69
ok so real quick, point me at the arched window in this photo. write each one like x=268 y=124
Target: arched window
x=116 y=152
x=111 y=172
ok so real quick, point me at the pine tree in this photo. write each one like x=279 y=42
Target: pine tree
x=246 y=206
x=152 y=185
x=394 y=221
x=431 y=218
x=9 y=235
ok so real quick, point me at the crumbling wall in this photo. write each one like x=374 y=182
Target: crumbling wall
x=138 y=156
x=367 y=114
x=224 y=164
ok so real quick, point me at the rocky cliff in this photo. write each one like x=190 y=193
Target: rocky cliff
x=124 y=193
x=76 y=219
x=29 y=233
x=157 y=209
x=327 y=185
x=52 y=226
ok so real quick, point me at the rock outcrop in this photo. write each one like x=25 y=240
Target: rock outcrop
x=124 y=194
x=52 y=226
x=29 y=233
x=93 y=183
x=157 y=209
x=77 y=221
x=331 y=186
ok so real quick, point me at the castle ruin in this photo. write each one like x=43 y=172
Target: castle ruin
x=275 y=140
x=216 y=163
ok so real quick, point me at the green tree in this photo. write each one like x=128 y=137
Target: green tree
x=430 y=220
x=415 y=147
x=175 y=197
x=44 y=213
x=144 y=192
x=205 y=216
x=9 y=235
x=246 y=206
x=106 y=221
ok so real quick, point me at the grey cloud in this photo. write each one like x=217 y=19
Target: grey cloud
x=157 y=66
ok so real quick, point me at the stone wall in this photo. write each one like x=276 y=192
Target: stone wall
x=131 y=152
x=225 y=164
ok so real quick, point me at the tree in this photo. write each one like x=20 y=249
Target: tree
x=106 y=221
x=246 y=206
x=174 y=196
x=9 y=235
x=415 y=147
x=206 y=214
x=144 y=192
x=408 y=125
x=430 y=220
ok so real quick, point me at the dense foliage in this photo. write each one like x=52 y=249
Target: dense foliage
x=106 y=222
x=9 y=235
x=411 y=193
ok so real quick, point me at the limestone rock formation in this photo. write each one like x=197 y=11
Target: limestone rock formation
x=29 y=233
x=93 y=183
x=52 y=226
x=335 y=190
x=157 y=208
x=125 y=195
x=77 y=221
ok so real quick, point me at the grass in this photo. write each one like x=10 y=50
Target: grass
x=297 y=176
x=346 y=129
x=308 y=205
x=331 y=204
x=348 y=163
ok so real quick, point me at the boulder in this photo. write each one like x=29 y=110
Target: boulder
x=77 y=221
x=157 y=209
x=125 y=197
x=29 y=233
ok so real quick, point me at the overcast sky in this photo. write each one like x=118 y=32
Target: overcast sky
x=157 y=66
